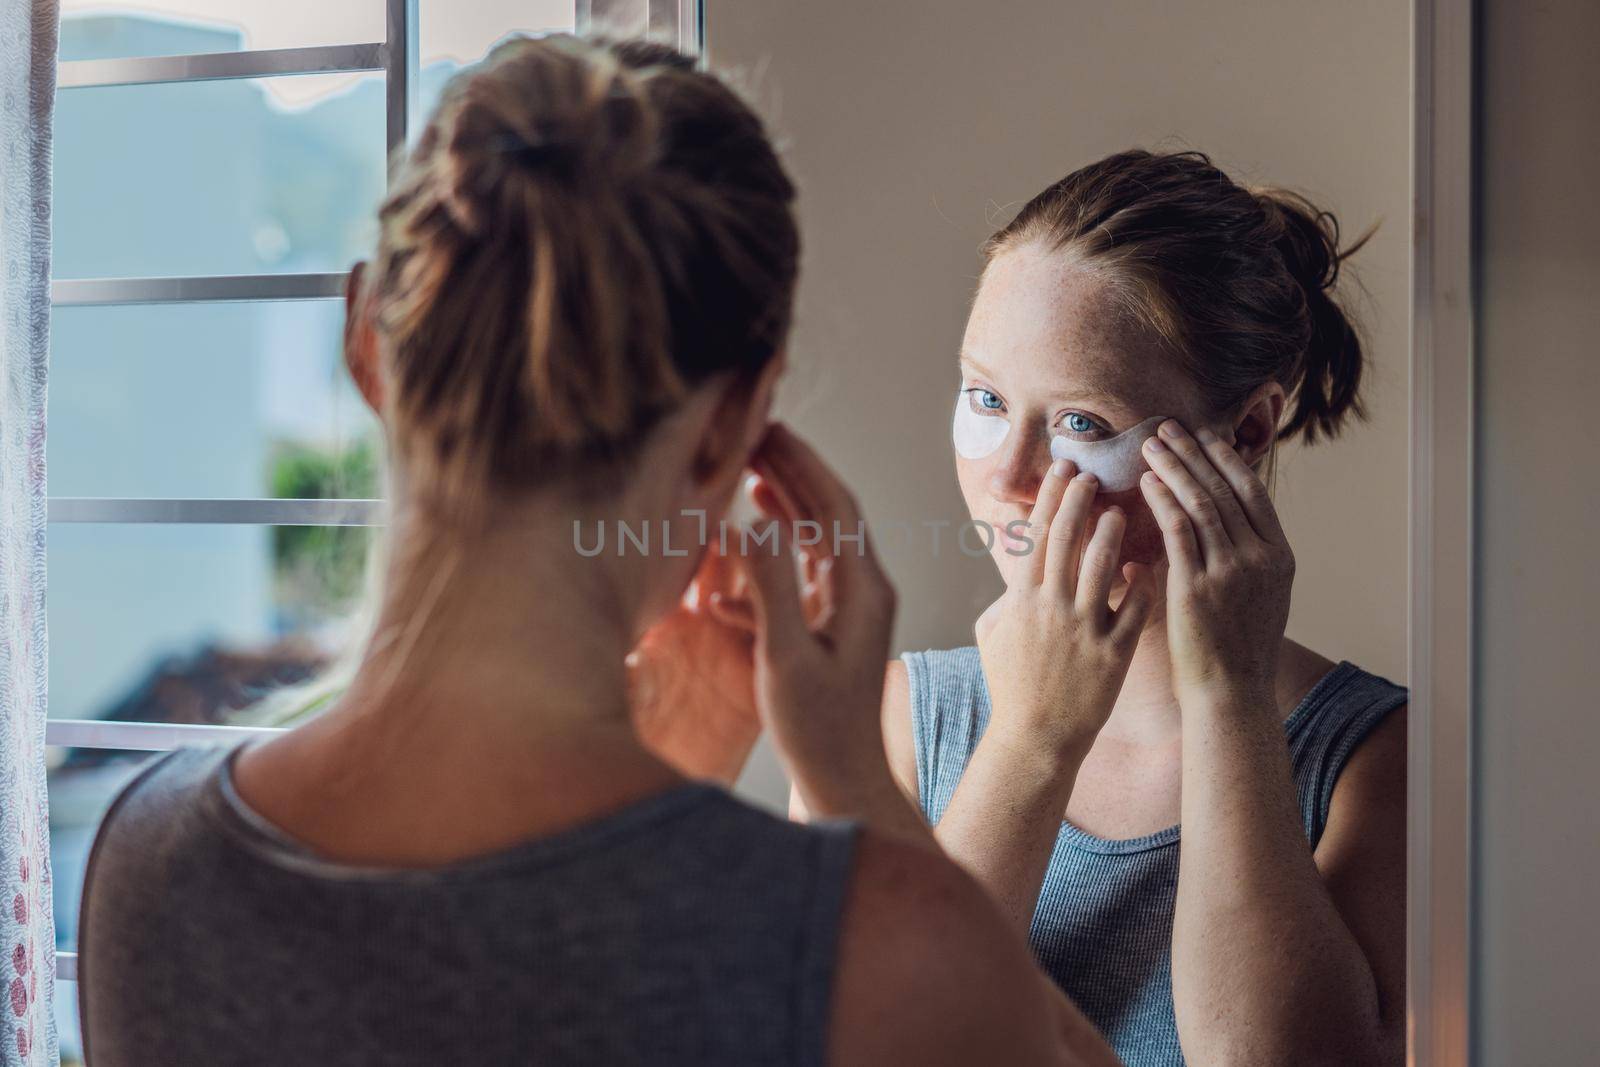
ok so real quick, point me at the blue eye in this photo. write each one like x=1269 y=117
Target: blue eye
x=984 y=400
x=1076 y=426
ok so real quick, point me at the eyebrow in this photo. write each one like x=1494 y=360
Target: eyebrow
x=1094 y=389
x=963 y=357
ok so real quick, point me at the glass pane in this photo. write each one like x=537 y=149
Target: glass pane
x=67 y=1030
x=455 y=33
x=461 y=31
x=83 y=782
x=114 y=29
x=207 y=401
x=194 y=624
x=217 y=177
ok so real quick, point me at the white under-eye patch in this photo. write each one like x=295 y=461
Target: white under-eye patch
x=975 y=435
x=1116 y=461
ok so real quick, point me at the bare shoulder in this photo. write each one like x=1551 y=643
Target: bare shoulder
x=898 y=742
x=1376 y=771
x=930 y=973
x=1366 y=831
x=268 y=774
x=1367 y=812
x=1362 y=859
x=897 y=686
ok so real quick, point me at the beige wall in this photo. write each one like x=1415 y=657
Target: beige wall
x=1537 y=790
x=914 y=127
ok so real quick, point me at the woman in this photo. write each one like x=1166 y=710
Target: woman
x=576 y=314
x=1059 y=757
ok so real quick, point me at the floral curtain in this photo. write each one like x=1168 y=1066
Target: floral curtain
x=28 y=31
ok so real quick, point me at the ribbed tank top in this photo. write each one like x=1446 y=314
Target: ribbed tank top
x=687 y=928
x=1103 y=925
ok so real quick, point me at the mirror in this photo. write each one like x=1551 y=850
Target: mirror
x=915 y=140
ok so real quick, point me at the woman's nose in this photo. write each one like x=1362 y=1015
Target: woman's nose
x=1019 y=469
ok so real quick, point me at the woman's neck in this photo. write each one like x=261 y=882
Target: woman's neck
x=490 y=706
x=1146 y=711
x=508 y=621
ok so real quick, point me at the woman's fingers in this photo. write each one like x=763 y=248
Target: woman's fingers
x=801 y=476
x=769 y=498
x=1045 y=506
x=1099 y=564
x=1137 y=603
x=775 y=592
x=816 y=591
x=1247 y=487
x=1183 y=551
x=1217 y=487
x=1067 y=530
x=734 y=612
x=860 y=593
x=714 y=576
x=1196 y=499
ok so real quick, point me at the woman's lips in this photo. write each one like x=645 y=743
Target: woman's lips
x=1014 y=545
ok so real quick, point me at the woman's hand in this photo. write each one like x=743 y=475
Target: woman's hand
x=1229 y=566
x=819 y=671
x=691 y=679
x=1054 y=653
x=1262 y=926
x=1054 y=658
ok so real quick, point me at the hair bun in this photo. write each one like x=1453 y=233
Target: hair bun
x=550 y=155
x=1310 y=240
x=1309 y=244
x=582 y=232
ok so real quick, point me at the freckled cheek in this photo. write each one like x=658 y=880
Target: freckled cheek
x=972 y=475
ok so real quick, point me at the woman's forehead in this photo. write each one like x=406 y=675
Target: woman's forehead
x=1042 y=323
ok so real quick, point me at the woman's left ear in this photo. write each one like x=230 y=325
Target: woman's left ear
x=1256 y=426
x=361 y=340
x=738 y=423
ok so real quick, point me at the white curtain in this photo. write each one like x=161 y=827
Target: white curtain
x=27 y=929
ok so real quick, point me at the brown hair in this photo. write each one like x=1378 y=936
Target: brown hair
x=583 y=233
x=1235 y=282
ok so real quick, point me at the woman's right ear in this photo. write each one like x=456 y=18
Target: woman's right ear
x=361 y=341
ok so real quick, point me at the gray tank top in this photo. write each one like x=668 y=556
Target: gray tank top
x=1103 y=925
x=687 y=928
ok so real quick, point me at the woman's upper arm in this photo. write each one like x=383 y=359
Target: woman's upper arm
x=897 y=739
x=1362 y=857
x=898 y=743
x=917 y=937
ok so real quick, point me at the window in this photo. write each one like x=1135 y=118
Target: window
x=213 y=472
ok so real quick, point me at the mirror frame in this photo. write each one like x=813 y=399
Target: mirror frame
x=1440 y=730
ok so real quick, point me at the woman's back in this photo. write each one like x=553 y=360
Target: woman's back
x=684 y=928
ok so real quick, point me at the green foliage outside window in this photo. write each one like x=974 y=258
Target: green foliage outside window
x=319 y=570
